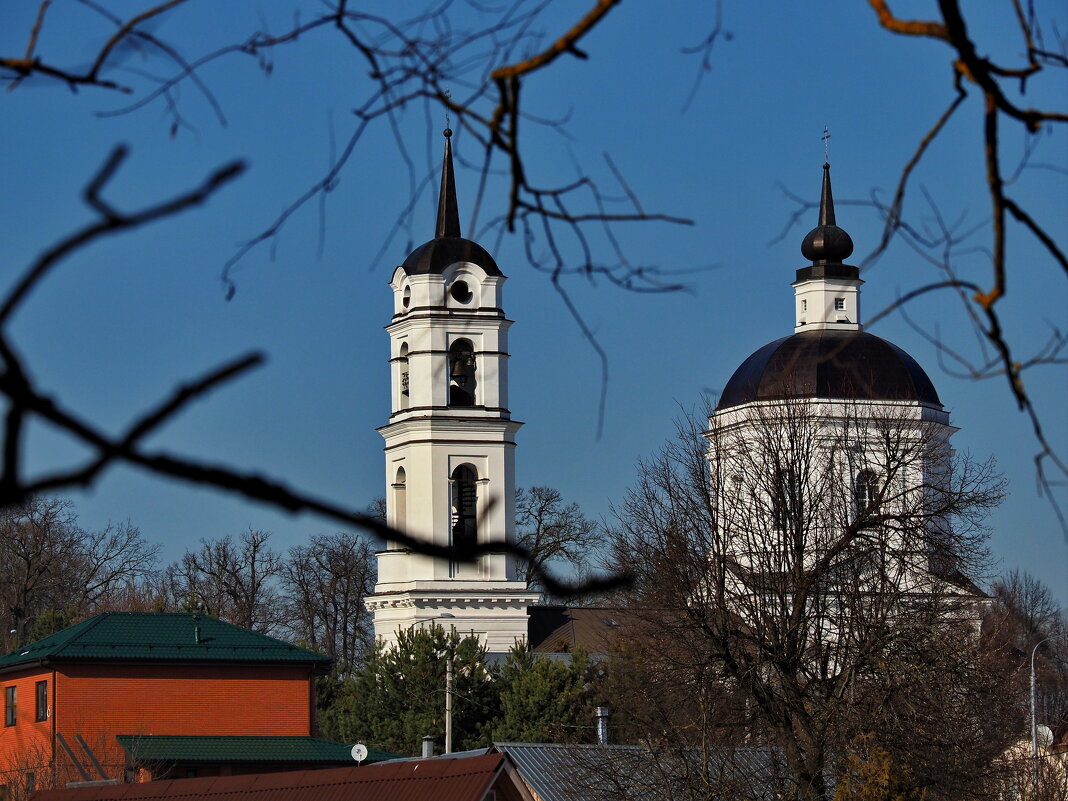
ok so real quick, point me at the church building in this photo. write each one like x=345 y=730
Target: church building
x=834 y=441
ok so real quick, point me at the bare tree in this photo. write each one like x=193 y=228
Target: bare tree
x=1030 y=604
x=803 y=570
x=1023 y=618
x=48 y=562
x=553 y=532
x=322 y=586
x=232 y=580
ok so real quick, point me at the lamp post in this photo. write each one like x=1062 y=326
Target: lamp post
x=1034 y=715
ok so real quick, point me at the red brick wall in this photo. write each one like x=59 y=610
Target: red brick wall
x=28 y=743
x=101 y=701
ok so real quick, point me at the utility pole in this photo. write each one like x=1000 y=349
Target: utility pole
x=448 y=704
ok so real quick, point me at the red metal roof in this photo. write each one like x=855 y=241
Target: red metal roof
x=459 y=779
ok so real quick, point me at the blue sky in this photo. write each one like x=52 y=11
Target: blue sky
x=117 y=325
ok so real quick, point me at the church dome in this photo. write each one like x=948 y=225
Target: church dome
x=832 y=365
x=437 y=254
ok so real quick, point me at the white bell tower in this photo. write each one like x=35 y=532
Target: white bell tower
x=450 y=441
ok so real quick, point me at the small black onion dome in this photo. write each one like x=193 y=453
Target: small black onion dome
x=829 y=364
x=448 y=247
x=436 y=255
x=826 y=243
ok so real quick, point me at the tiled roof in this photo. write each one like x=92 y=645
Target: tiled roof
x=438 y=779
x=159 y=637
x=181 y=748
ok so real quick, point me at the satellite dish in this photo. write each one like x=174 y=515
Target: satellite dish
x=1044 y=736
x=359 y=752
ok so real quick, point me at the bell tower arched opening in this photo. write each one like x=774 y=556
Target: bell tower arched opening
x=462 y=373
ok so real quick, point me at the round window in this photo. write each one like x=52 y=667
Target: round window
x=460 y=292
x=407 y=299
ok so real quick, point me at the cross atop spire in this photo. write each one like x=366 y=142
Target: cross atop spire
x=448 y=214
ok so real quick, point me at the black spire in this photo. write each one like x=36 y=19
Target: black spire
x=826 y=198
x=826 y=243
x=448 y=215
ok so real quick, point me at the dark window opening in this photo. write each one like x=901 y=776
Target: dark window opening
x=406 y=298
x=404 y=381
x=865 y=492
x=787 y=500
x=464 y=507
x=461 y=373
x=42 y=700
x=9 y=706
x=460 y=292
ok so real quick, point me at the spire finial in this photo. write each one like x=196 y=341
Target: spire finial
x=826 y=144
x=448 y=214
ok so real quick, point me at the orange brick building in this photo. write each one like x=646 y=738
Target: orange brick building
x=67 y=697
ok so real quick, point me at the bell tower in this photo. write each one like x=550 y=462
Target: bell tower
x=450 y=441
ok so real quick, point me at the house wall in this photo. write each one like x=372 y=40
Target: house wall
x=28 y=744
x=101 y=701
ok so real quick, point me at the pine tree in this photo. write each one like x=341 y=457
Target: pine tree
x=545 y=700
x=399 y=695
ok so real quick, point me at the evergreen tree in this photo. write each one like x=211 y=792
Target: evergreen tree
x=545 y=700
x=399 y=695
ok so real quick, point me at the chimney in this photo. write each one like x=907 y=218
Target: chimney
x=602 y=725
x=428 y=747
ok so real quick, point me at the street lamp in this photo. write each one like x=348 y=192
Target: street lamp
x=1034 y=718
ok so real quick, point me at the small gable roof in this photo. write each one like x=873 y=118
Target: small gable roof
x=159 y=637
x=468 y=779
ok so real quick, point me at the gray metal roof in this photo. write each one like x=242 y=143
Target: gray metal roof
x=569 y=772
x=601 y=773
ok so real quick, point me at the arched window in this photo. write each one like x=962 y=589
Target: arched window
x=865 y=492
x=462 y=373
x=464 y=507
x=400 y=501
x=787 y=499
x=403 y=378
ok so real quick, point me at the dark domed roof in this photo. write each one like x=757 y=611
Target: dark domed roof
x=838 y=365
x=437 y=254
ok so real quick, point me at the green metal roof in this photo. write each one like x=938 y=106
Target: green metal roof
x=176 y=748
x=159 y=637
